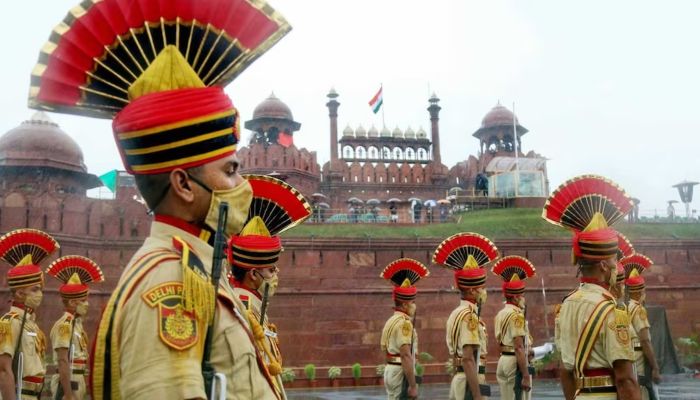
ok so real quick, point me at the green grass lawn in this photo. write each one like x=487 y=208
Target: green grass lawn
x=495 y=224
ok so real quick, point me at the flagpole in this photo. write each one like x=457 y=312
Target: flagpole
x=515 y=144
x=381 y=88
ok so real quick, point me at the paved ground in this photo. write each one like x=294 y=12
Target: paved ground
x=673 y=388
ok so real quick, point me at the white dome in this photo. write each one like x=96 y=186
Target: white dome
x=421 y=134
x=386 y=132
x=360 y=131
x=409 y=134
x=397 y=133
x=348 y=131
x=373 y=132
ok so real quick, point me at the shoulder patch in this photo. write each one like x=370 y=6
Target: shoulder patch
x=519 y=321
x=407 y=329
x=64 y=330
x=5 y=332
x=620 y=326
x=472 y=322
x=643 y=313
x=177 y=327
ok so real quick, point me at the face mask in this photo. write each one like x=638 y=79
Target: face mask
x=412 y=309
x=270 y=282
x=33 y=300
x=82 y=308
x=482 y=296
x=521 y=302
x=238 y=199
x=642 y=298
x=612 y=279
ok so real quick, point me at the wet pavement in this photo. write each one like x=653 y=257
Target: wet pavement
x=677 y=387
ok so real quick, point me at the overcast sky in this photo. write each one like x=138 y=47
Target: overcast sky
x=605 y=87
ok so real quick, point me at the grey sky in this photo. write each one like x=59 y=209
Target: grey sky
x=604 y=87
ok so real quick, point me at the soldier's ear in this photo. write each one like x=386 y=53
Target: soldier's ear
x=181 y=185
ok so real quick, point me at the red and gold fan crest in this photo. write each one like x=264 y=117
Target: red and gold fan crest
x=96 y=54
x=24 y=250
x=403 y=274
x=277 y=203
x=75 y=272
x=634 y=266
x=276 y=207
x=158 y=68
x=575 y=202
x=514 y=270
x=466 y=253
x=624 y=247
x=636 y=262
x=589 y=205
x=454 y=251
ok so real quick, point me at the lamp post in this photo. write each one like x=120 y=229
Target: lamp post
x=685 y=190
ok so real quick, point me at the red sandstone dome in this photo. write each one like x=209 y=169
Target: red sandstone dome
x=498 y=116
x=272 y=107
x=39 y=142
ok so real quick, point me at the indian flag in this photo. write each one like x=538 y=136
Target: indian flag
x=377 y=101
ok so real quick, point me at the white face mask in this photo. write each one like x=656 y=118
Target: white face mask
x=270 y=282
x=33 y=300
x=520 y=301
x=82 y=308
x=612 y=279
x=482 y=296
x=412 y=309
x=238 y=199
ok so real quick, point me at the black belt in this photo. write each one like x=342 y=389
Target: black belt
x=605 y=389
x=393 y=363
x=482 y=369
x=638 y=348
x=28 y=392
x=507 y=353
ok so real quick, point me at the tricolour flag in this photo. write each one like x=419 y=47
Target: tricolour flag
x=377 y=101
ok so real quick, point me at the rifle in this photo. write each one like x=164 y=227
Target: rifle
x=419 y=379
x=71 y=356
x=530 y=369
x=484 y=390
x=263 y=307
x=208 y=373
x=18 y=359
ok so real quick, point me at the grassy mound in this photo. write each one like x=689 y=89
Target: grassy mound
x=520 y=223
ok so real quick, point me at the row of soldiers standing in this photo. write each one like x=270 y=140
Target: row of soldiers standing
x=604 y=341
x=22 y=342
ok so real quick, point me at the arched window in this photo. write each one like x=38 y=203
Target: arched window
x=348 y=152
x=360 y=152
x=410 y=153
x=372 y=153
x=422 y=154
x=386 y=153
x=398 y=154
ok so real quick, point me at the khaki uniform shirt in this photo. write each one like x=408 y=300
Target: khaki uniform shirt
x=61 y=339
x=509 y=324
x=463 y=329
x=638 y=322
x=613 y=340
x=160 y=345
x=398 y=331
x=33 y=346
x=252 y=302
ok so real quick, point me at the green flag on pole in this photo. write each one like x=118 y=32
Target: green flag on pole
x=110 y=180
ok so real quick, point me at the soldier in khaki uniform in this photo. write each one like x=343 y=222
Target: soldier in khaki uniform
x=592 y=333
x=399 y=341
x=22 y=343
x=253 y=258
x=511 y=328
x=645 y=361
x=177 y=132
x=68 y=338
x=466 y=254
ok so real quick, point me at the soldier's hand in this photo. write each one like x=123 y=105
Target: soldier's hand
x=413 y=392
x=525 y=384
x=655 y=376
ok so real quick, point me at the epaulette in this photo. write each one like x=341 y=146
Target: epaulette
x=197 y=291
x=9 y=316
x=6 y=328
x=569 y=294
